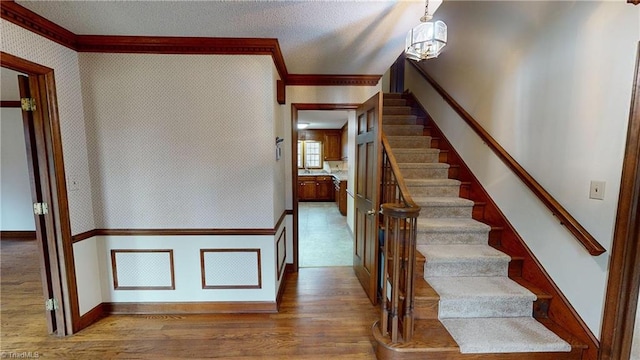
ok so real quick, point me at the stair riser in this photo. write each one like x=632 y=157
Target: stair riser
x=441 y=191
x=394 y=102
x=402 y=130
x=469 y=268
x=425 y=309
x=425 y=173
x=445 y=211
x=423 y=157
x=448 y=309
x=396 y=110
x=444 y=238
x=422 y=142
x=399 y=120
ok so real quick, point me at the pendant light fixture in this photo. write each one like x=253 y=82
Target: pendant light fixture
x=426 y=40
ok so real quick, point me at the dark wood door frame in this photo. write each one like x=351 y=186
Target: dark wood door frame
x=58 y=243
x=621 y=301
x=294 y=161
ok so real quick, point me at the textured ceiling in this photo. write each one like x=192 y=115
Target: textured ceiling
x=316 y=37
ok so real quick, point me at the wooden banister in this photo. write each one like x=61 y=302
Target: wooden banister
x=579 y=232
x=400 y=213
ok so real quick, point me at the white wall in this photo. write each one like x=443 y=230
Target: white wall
x=180 y=141
x=551 y=82
x=16 y=213
x=27 y=45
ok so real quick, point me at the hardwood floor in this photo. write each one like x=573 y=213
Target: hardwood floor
x=324 y=313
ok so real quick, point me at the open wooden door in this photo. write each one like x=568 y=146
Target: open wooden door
x=367 y=194
x=37 y=163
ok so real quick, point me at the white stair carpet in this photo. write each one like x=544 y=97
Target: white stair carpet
x=483 y=310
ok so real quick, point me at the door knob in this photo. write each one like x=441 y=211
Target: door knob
x=371 y=212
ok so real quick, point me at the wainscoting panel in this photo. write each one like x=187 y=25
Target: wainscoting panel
x=281 y=252
x=231 y=268
x=142 y=269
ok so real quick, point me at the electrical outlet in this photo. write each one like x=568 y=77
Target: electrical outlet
x=72 y=183
x=597 y=190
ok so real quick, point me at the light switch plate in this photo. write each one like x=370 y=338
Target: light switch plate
x=596 y=190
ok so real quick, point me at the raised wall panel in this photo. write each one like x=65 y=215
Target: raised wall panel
x=281 y=252
x=231 y=268
x=142 y=269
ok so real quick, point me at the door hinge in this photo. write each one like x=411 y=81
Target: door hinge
x=51 y=304
x=40 y=208
x=28 y=104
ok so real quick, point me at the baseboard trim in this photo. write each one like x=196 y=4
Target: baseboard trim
x=18 y=235
x=214 y=307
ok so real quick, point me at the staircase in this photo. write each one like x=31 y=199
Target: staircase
x=466 y=306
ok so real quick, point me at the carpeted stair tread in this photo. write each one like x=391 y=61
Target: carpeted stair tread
x=442 y=201
x=399 y=119
x=452 y=225
x=503 y=335
x=470 y=297
x=402 y=130
x=432 y=182
x=463 y=260
x=423 y=166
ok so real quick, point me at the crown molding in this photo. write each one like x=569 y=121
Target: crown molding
x=332 y=80
x=33 y=22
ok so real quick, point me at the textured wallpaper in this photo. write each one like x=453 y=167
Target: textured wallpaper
x=32 y=47
x=180 y=141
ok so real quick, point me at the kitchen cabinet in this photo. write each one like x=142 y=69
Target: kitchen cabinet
x=332 y=145
x=315 y=188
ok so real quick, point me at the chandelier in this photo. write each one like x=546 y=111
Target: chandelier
x=426 y=40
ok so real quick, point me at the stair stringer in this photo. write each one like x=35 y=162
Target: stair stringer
x=505 y=238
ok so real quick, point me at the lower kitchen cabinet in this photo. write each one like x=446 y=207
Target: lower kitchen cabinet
x=315 y=188
x=340 y=191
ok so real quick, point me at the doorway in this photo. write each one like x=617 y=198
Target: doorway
x=46 y=181
x=322 y=235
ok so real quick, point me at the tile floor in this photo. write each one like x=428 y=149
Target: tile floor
x=324 y=237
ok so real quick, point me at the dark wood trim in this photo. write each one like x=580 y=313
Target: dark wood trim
x=239 y=286
x=114 y=269
x=92 y=316
x=10 y=104
x=624 y=266
x=17 y=235
x=294 y=164
x=281 y=263
x=634 y=2
x=33 y=22
x=581 y=234
x=281 y=92
x=212 y=307
x=85 y=235
x=509 y=241
x=179 y=232
x=332 y=80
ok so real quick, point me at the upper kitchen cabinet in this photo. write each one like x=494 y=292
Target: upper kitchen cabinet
x=332 y=145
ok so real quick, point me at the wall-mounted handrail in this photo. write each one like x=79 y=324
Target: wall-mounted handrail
x=581 y=234
x=400 y=213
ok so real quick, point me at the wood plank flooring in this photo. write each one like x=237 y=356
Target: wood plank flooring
x=324 y=314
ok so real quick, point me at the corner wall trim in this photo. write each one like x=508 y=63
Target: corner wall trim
x=579 y=232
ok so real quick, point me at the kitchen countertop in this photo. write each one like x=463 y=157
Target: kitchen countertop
x=340 y=175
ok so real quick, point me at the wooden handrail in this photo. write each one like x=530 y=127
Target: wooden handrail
x=400 y=213
x=581 y=234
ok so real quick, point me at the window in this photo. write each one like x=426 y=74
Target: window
x=310 y=154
